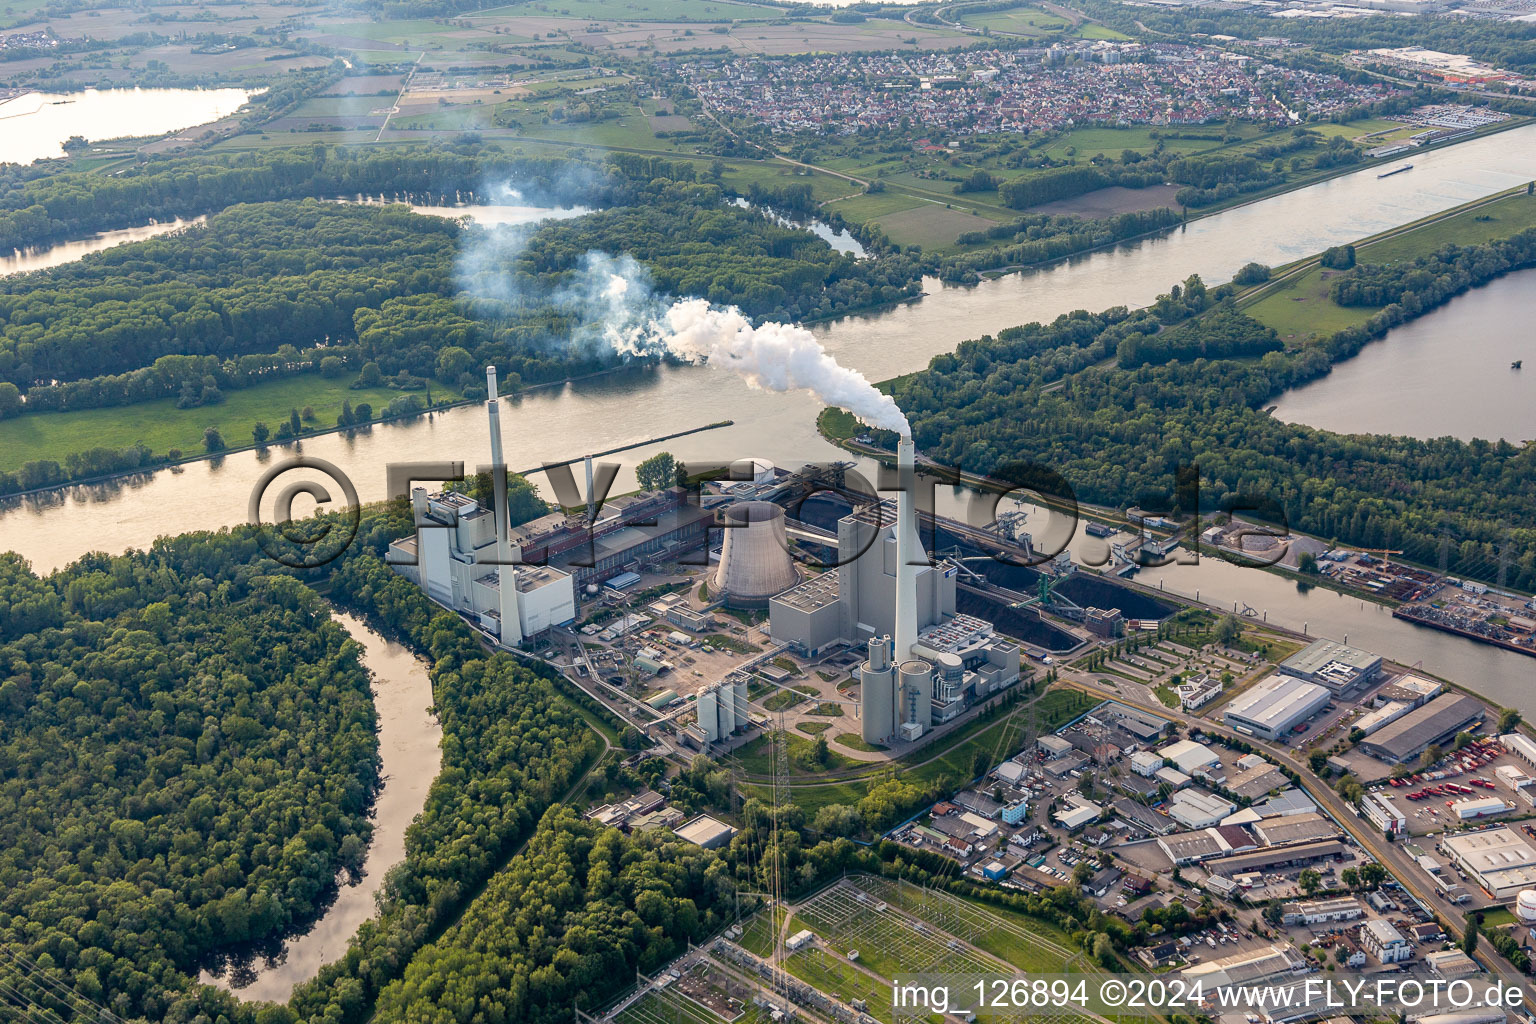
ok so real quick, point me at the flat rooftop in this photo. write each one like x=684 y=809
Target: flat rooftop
x=816 y=592
x=1275 y=702
x=1318 y=655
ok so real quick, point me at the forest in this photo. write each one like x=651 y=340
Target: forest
x=1188 y=388
x=37 y=207
x=376 y=295
x=1505 y=44
x=185 y=765
x=566 y=922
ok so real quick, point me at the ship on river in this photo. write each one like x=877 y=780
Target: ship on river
x=1399 y=170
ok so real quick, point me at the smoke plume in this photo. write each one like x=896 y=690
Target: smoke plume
x=615 y=307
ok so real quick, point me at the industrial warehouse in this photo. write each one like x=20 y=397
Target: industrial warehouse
x=1333 y=665
x=1428 y=726
x=1497 y=859
x=1275 y=706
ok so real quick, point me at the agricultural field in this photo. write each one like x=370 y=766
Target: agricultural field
x=642 y=10
x=1028 y=22
x=1300 y=308
x=162 y=426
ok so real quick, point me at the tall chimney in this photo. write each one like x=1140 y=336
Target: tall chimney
x=506 y=574
x=591 y=498
x=907 y=549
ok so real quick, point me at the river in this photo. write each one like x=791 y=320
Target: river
x=44 y=256
x=563 y=422
x=408 y=747
x=1446 y=373
x=36 y=125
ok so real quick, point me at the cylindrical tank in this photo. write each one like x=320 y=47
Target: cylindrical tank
x=754 y=557
x=880 y=653
x=739 y=692
x=708 y=707
x=1525 y=905
x=877 y=703
x=727 y=709
x=917 y=692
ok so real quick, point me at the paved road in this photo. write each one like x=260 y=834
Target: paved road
x=1390 y=855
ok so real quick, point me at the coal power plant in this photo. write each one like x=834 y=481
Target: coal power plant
x=925 y=662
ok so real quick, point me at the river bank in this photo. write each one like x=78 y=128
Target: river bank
x=409 y=755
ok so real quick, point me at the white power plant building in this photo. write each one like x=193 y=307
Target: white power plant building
x=461 y=557
x=925 y=662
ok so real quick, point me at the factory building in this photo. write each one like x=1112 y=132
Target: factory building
x=925 y=663
x=1321 y=911
x=1388 y=713
x=461 y=555
x=1332 y=664
x=1274 y=706
x=1497 y=859
x=1431 y=725
x=1384 y=941
x=1380 y=810
x=1245 y=968
x=1408 y=689
x=1190 y=757
x=1194 y=809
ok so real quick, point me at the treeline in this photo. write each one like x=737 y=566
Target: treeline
x=1119 y=435
x=1427 y=281
x=36 y=210
x=1078 y=179
x=1207 y=178
x=512 y=747
x=694 y=243
x=184 y=767
x=1040 y=238
x=1505 y=44
x=566 y=922
x=251 y=280
x=1224 y=334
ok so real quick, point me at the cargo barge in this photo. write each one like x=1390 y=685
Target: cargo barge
x=1400 y=170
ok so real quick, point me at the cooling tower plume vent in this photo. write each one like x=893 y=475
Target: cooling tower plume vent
x=754 y=557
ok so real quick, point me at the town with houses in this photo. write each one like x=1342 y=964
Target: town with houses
x=1020 y=90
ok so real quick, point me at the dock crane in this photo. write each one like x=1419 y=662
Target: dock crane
x=1385 y=553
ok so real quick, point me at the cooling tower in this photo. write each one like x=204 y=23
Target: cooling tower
x=916 y=692
x=877 y=692
x=754 y=558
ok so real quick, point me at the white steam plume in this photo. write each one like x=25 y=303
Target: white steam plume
x=615 y=306
x=770 y=357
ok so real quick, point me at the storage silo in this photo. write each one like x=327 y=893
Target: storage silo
x=708 y=707
x=754 y=557
x=726 y=709
x=739 y=692
x=916 y=692
x=877 y=692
